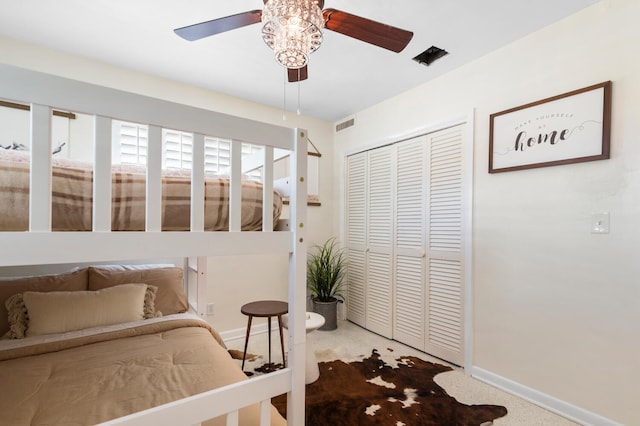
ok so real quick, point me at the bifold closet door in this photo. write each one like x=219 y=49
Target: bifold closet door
x=445 y=245
x=356 y=236
x=405 y=241
x=369 y=234
x=410 y=245
x=379 y=251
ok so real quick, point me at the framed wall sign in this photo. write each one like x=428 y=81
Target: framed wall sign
x=569 y=128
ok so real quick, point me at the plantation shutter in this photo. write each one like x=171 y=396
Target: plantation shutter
x=178 y=150
x=133 y=144
x=217 y=155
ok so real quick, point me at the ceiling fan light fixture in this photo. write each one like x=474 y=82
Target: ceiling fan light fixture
x=293 y=29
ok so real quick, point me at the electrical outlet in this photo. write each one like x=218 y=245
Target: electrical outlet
x=209 y=308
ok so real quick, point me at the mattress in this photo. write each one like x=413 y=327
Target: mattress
x=72 y=197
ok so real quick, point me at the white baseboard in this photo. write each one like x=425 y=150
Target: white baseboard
x=548 y=402
x=240 y=333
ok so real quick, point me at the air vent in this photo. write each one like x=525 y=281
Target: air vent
x=345 y=124
x=430 y=55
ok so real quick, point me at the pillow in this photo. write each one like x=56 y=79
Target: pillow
x=71 y=281
x=19 y=316
x=33 y=313
x=170 y=297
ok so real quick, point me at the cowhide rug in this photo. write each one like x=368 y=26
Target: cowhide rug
x=372 y=392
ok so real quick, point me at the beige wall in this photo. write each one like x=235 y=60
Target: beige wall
x=234 y=283
x=556 y=308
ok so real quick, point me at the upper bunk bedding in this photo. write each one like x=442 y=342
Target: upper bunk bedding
x=72 y=196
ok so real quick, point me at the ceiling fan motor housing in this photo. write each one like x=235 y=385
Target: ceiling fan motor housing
x=293 y=29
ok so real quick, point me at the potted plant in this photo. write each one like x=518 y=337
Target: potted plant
x=325 y=270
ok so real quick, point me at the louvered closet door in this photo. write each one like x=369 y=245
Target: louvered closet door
x=380 y=203
x=409 y=312
x=445 y=290
x=356 y=216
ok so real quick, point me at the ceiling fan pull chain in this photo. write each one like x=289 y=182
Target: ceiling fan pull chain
x=284 y=96
x=298 y=91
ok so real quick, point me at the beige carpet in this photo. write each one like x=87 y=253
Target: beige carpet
x=352 y=343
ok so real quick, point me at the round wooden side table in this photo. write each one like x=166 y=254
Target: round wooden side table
x=265 y=309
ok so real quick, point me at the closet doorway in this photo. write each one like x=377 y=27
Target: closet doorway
x=407 y=214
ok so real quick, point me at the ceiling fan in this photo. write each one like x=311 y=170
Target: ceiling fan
x=293 y=29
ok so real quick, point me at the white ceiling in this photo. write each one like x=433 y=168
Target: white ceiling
x=345 y=75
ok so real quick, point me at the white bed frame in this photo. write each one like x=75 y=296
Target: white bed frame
x=42 y=246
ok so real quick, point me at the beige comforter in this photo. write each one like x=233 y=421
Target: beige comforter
x=72 y=197
x=91 y=379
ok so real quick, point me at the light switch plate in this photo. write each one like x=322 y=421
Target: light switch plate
x=600 y=223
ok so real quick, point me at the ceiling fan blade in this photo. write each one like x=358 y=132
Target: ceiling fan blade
x=217 y=26
x=372 y=32
x=297 y=74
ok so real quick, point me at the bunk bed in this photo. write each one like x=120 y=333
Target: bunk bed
x=232 y=399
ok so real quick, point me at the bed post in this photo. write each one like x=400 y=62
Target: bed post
x=298 y=279
x=196 y=284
